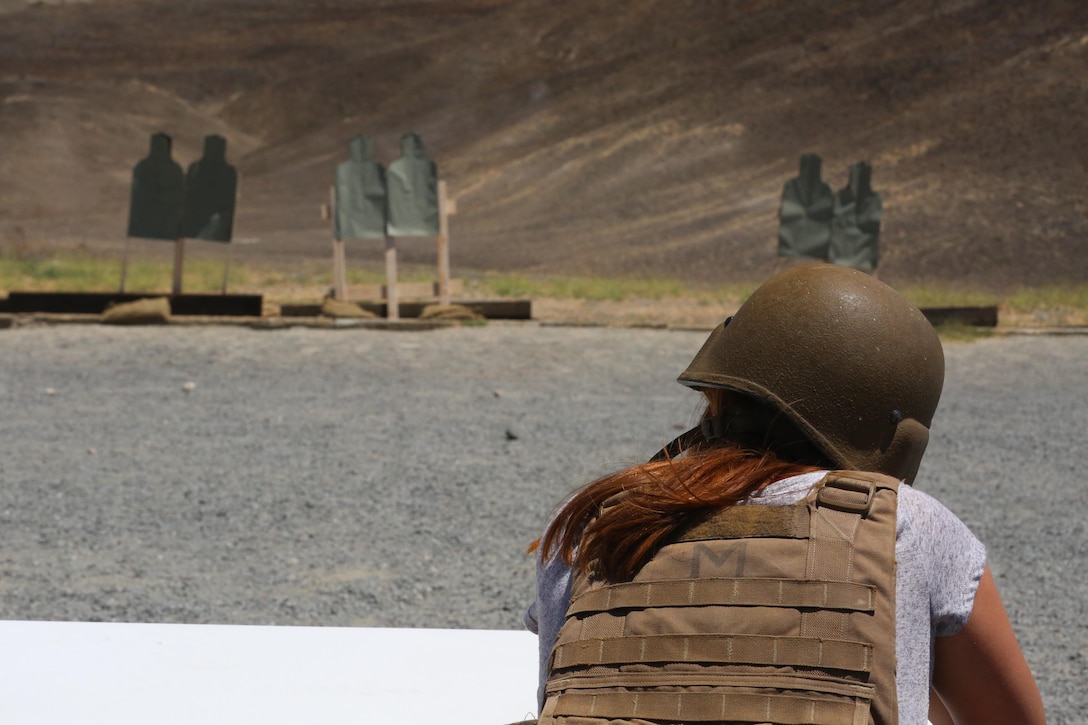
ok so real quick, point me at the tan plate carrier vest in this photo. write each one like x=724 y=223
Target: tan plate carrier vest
x=761 y=614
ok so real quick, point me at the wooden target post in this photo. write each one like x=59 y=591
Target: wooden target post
x=446 y=208
x=339 y=262
x=226 y=268
x=179 y=264
x=124 y=264
x=230 y=243
x=392 y=298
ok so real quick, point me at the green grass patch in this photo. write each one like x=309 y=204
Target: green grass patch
x=87 y=273
x=91 y=274
x=615 y=289
x=1049 y=297
x=318 y=276
x=963 y=333
x=940 y=296
x=312 y=278
x=586 y=288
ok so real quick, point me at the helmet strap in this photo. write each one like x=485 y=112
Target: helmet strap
x=734 y=426
x=679 y=444
x=757 y=429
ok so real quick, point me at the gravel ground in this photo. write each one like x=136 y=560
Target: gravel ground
x=351 y=477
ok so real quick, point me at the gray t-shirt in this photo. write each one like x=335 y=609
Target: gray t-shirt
x=939 y=564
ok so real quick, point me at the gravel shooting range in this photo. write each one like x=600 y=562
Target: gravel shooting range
x=311 y=314
x=394 y=479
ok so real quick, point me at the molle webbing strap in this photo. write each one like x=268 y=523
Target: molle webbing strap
x=840 y=504
x=751 y=592
x=718 y=707
x=842 y=542
x=822 y=686
x=716 y=649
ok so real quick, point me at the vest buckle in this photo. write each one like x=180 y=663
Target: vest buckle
x=852 y=495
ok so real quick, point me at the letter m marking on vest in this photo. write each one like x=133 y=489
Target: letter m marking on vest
x=717 y=561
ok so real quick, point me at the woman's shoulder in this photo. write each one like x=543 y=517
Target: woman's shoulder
x=920 y=516
x=912 y=502
x=795 y=488
x=923 y=512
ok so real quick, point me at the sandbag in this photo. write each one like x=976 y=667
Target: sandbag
x=148 y=311
x=332 y=307
x=449 y=312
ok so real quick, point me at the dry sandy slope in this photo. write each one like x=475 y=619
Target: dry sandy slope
x=614 y=137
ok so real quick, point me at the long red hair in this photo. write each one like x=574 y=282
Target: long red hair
x=616 y=523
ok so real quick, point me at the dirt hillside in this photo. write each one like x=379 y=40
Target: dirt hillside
x=608 y=137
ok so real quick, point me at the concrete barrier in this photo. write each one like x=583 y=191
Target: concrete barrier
x=79 y=673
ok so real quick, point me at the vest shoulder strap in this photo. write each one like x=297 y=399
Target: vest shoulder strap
x=852 y=491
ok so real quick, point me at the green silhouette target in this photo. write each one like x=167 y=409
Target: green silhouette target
x=413 y=191
x=805 y=214
x=211 y=185
x=855 y=227
x=158 y=193
x=360 y=194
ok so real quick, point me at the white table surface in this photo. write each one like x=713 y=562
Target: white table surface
x=77 y=672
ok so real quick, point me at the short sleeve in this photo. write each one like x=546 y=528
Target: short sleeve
x=952 y=555
x=545 y=616
x=530 y=619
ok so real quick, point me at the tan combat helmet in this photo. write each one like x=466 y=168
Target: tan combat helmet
x=856 y=367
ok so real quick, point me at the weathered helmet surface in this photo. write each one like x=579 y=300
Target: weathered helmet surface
x=853 y=364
